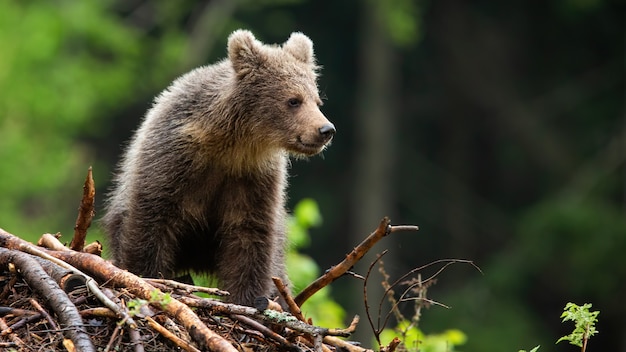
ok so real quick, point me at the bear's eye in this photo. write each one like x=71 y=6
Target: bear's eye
x=294 y=102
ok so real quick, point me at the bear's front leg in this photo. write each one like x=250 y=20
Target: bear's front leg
x=248 y=257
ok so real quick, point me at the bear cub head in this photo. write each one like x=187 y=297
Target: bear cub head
x=276 y=91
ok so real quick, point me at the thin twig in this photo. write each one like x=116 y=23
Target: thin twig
x=135 y=339
x=85 y=213
x=264 y=330
x=43 y=312
x=55 y=297
x=12 y=336
x=352 y=258
x=447 y=262
x=118 y=330
x=284 y=292
x=91 y=284
x=365 y=298
x=188 y=288
x=342 y=344
x=167 y=334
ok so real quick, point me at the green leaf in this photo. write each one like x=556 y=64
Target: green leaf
x=584 y=321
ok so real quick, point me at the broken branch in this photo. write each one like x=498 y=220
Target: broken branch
x=56 y=298
x=85 y=213
x=384 y=229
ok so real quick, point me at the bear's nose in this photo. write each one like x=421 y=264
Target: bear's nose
x=328 y=130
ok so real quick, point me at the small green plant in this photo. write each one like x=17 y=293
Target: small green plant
x=162 y=299
x=533 y=350
x=585 y=324
x=134 y=306
x=302 y=269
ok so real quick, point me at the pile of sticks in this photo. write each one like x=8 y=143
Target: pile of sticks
x=54 y=297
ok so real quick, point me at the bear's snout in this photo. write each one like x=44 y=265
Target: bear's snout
x=327 y=132
x=313 y=141
x=324 y=136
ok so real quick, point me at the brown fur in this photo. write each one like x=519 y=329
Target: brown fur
x=201 y=185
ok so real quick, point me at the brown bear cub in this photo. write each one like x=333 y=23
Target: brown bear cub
x=201 y=186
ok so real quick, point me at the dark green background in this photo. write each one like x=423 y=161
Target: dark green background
x=496 y=126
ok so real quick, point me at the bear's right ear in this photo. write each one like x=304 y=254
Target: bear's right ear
x=244 y=52
x=301 y=47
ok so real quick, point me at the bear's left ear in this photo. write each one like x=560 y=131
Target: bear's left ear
x=300 y=47
x=244 y=51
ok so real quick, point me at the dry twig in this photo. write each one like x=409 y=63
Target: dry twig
x=286 y=295
x=384 y=229
x=56 y=298
x=171 y=284
x=85 y=213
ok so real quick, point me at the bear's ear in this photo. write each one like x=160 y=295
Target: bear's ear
x=300 y=47
x=244 y=51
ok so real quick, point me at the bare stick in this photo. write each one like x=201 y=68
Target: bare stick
x=85 y=213
x=393 y=345
x=352 y=258
x=135 y=339
x=295 y=310
x=188 y=288
x=106 y=271
x=347 y=331
x=376 y=329
x=93 y=248
x=22 y=322
x=13 y=242
x=284 y=292
x=267 y=332
x=167 y=334
x=43 y=312
x=283 y=319
x=117 y=331
x=12 y=336
x=45 y=286
x=337 y=342
x=99 y=312
x=50 y=241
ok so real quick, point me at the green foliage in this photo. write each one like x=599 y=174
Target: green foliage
x=401 y=19
x=306 y=214
x=64 y=66
x=163 y=299
x=302 y=269
x=565 y=225
x=585 y=323
x=413 y=339
x=135 y=305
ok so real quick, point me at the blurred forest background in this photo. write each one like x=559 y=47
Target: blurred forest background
x=498 y=127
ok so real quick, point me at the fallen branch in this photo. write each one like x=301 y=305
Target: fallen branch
x=286 y=295
x=105 y=271
x=85 y=213
x=267 y=332
x=207 y=328
x=13 y=242
x=168 y=335
x=56 y=298
x=17 y=342
x=384 y=229
x=171 y=284
x=269 y=316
